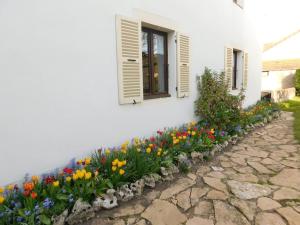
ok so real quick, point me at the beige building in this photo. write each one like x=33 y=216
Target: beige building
x=281 y=59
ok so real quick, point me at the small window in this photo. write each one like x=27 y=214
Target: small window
x=155 y=63
x=265 y=73
x=237 y=67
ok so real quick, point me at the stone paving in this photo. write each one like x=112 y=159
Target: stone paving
x=255 y=182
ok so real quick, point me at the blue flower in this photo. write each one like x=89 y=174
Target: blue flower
x=8 y=211
x=16 y=205
x=20 y=219
x=36 y=207
x=48 y=203
x=238 y=128
x=27 y=212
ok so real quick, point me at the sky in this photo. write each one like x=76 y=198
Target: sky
x=274 y=19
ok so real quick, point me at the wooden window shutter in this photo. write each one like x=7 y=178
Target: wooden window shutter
x=245 y=70
x=129 y=53
x=228 y=66
x=183 y=65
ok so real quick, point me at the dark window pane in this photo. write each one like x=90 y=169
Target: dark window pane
x=146 y=67
x=158 y=63
x=155 y=62
x=234 y=75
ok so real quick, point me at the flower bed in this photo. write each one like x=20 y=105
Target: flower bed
x=138 y=162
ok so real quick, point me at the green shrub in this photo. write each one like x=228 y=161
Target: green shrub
x=215 y=104
x=297 y=82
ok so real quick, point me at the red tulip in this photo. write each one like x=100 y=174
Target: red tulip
x=68 y=170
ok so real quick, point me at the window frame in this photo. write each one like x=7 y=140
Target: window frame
x=152 y=94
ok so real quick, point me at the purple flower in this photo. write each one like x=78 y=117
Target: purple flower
x=27 y=212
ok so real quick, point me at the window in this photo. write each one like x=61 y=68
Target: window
x=155 y=63
x=265 y=73
x=235 y=69
x=142 y=59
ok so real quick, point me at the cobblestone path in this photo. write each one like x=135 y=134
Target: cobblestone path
x=255 y=182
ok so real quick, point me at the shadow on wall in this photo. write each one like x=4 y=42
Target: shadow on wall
x=288 y=81
x=283 y=94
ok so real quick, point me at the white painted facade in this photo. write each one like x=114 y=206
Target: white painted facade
x=58 y=74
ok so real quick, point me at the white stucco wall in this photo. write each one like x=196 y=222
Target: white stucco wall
x=277 y=80
x=58 y=75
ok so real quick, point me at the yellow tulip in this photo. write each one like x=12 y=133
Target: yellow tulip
x=2 y=199
x=80 y=174
x=1 y=190
x=138 y=149
x=158 y=153
x=124 y=162
x=88 y=161
x=107 y=151
x=35 y=179
x=55 y=183
x=136 y=141
x=120 y=164
x=10 y=187
x=68 y=179
x=148 y=150
x=193 y=133
x=113 y=168
x=88 y=175
x=75 y=177
x=124 y=151
x=115 y=162
x=121 y=172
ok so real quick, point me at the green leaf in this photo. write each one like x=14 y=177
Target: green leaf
x=21 y=213
x=110 y=185
x=45 y=220
x=61 y=197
